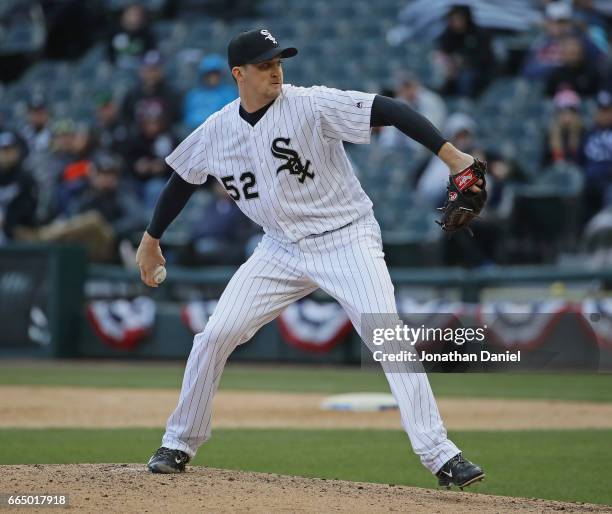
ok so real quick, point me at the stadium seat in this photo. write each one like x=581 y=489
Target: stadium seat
x=566 y=178
x=7 y=7
x=153 y=6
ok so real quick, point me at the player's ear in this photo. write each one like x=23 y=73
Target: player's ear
x=238 y=73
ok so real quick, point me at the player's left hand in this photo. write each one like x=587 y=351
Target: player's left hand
x=467 y=196
x=460 y=162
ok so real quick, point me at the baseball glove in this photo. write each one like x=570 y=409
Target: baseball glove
x=463 y=205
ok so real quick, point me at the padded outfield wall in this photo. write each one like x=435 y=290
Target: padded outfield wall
x=55 y=304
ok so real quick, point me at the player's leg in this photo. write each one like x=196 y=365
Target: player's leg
x=349 y=264
x=256 y=294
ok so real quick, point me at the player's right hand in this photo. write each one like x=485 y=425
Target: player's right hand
x=149 y=257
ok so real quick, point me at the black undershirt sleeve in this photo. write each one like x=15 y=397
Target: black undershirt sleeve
x=173 y=198
x=390 y=112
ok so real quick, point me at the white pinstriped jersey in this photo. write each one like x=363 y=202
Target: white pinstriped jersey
x=289 y=173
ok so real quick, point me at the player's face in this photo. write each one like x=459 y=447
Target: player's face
x=264 y=79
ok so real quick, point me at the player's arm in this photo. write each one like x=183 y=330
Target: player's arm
x=173 y=198
x=390 y=112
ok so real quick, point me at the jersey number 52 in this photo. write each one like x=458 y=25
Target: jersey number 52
x=247 y=180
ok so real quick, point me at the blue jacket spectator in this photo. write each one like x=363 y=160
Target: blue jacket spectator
x=545 y=55
x=598 y=157
x=210 y=96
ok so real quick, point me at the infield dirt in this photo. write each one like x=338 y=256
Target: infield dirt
x=129 y=488
x=42 y=407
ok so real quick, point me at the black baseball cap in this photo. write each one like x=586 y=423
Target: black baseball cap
x=255 y=46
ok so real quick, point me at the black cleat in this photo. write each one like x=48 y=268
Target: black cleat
x=460 y=472
x=166 y=460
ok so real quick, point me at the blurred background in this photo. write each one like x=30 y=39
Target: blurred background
x=94 y=94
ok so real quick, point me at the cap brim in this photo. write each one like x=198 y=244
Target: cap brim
x=285 y=53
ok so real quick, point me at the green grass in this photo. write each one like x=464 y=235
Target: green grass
x=309 y=379
x=570 y=465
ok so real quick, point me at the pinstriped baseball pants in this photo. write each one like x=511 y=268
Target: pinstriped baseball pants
x=349 y=265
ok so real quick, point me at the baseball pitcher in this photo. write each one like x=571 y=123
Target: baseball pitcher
x=278 y=151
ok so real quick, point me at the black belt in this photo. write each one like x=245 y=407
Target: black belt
x=329 y=231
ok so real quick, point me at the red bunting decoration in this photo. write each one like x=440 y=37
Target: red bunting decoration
x=122 y=324
x=313 y=326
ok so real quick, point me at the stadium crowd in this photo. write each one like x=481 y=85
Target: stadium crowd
x=96 y=180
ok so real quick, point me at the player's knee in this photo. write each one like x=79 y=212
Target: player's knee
x=220 y=335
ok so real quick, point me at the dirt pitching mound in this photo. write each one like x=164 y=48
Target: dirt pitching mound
x=129 y=488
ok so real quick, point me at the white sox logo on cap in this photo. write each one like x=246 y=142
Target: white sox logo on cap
x=254 y=47
x=268 y=36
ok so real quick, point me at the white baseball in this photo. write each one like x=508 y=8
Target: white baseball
x=159 y=275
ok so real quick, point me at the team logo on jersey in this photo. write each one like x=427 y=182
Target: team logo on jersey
x=294 y=163
x=268 y=35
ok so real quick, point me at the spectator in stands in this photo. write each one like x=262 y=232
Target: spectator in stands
x=151 y=87
x=598 y=157
x=98 y=215
x=61 y=150
x=18 y=192
x=565 y=131
x=223 y=238
x=132 y=39
x=35 y=136
x=576 y=71
x=545 y=55
x=146 y=151
x=111 y=133
x=48 y=169
x=36 y=132
x=429 y=104
x=211 y=95
x=460 y=130
x=76 y=147
x=465 y=54
x=102 y=194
